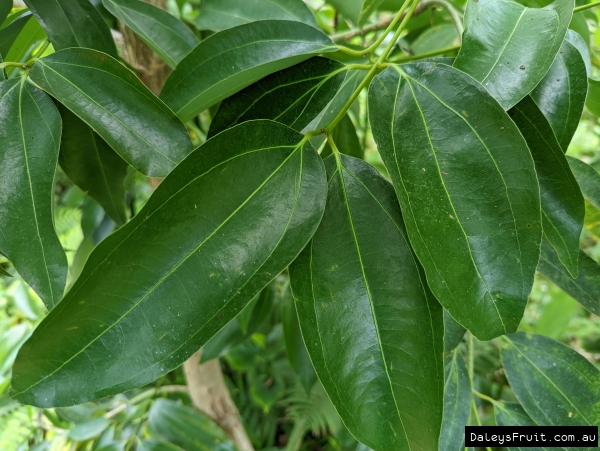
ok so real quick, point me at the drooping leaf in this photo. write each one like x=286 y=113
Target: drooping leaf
x=509 y=48
x=344 y=135
x=467 y=186
x=10 y=33
x=4 y=272
x=563 y=207
x=212 y=235
x=235 y=58
x=184 y=427
x=435 y=38
x=457 y=404
x=73 y=23
x=294 y=345
x=555 y=385
x=92 y=165
x=30 y=129
x=453 y=334
x=577 y=41
x=293 y=96
x=170 y=38
x=588 y=179
x=585 y=289
x=218 y=15
x=373 y=330
x=115 y=104
x=561 y=93
x=31 y=34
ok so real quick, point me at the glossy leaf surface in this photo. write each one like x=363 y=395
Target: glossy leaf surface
x=92 y=165
x=563 y=207
x=561 y=93
x=218 y=15
x=453 y=334
x=509 y=48
x=73 y=23
x=235 y=58
x=30 y=129
x=10 y=33
x=457 y=404
x=592 y=101
x=585 y=289
x=373 y=330
x=555 y=385
x=21 y=49
x=467 y=186
x=170 y=38
x=116 y=105
x=213 y=234
x=346 y=139
x=578 y=42
x=588 y=179
x=293 y=96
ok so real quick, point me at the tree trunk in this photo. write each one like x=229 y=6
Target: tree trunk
x=207 y=388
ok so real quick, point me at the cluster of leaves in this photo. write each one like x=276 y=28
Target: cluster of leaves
x=387 y=276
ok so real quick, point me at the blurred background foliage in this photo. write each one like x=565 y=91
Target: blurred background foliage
x=282 y=405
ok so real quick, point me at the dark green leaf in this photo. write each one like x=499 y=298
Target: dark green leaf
x=5 y=8
x=588 y=179
x=555 y=385
x=4 y=272
x=20 y=51
x=453 y=334
x=294 y=345
x=73 y=23
x=509 y=48
x=186 y=428
x=350 y=9
x=170 y=38
x=344 y=135
x=155 y=445
x=218 y=15
x=585 y=289
x=373 y=330
x=235 y=58
x=30 y=131
x=468 y=190
x=577 y=41
x=592 y=101
x=293 y=96
x=93 y=166
x=116 y=105
x=512 y=414
x=457 y=404
x=561 y=93
x=212 y=235
x=10 y=33
x=563 y=207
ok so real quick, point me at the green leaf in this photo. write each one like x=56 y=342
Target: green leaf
x=235 y=58
x=294 y=344
x=435 y=38
x=89 y=429
x=115 y=104
x=592 y=102
x=186 y=428
x=556 y=316
x=293 y=96
x=170 y=38
x=73 y=23
x=468 y=190
x=93 y=166
x=30 y=129
x=373 y=330
x=563 y=207
x=20 y=51
x=561 y=93
x=457 y=404
x=369 y=7
x=453 y=334
x=509 y=48
x=585 y=289
x=212 y=235
x=555 y=385
x=350 y=9
x=218 y=15
x=344 y=135
x=588 y=179
x=5 y=9
x=155 y=445
x=4 y=272
x=10 y=33
x=577 y=41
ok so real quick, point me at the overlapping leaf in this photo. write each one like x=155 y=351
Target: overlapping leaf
x=509 y=48
x=73 y=23
x=453 y=334
x=92 y=165
x=23 y=46
x=212 y=235
x=588 y=179
x=512 y=414
x=170 y=38
x=468 y=189
x=293 y=96
x=116 y=105
x=218 y=15
x=30 y=129
x=563 y=207
x=555 y=385
x=457 y=404
x=10 y=33
x=235 y=58
x=373 y=330
x=344 y=134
